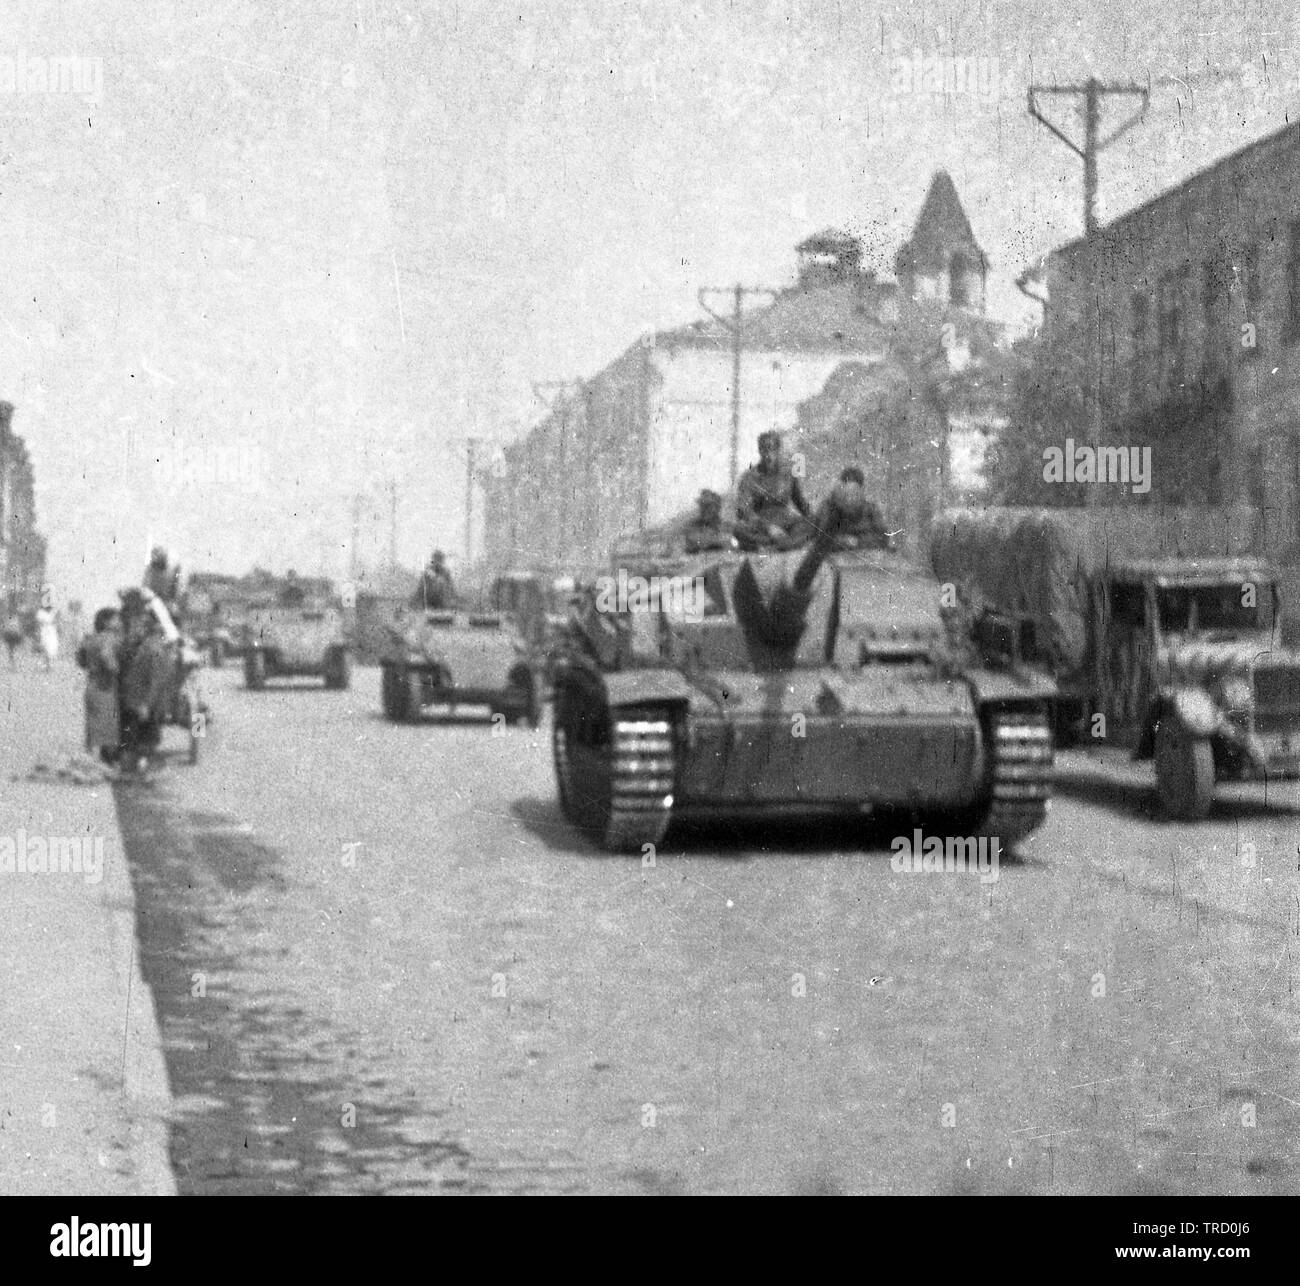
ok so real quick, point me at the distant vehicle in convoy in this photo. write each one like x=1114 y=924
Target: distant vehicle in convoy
x=456 y=658
x=820 y=680
x=1176 y=659
x=297 y=634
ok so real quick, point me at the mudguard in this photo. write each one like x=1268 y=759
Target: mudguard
x=642 y=687
x=1195 y=710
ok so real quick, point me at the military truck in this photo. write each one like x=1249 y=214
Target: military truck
x=813 y=681
x=1177 y=659
x=460 y=658
x=294 y=636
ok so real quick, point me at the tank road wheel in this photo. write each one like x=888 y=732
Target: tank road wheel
x=1020 y=773
x=255 y=669
x=616 y=770
x=1184 y=771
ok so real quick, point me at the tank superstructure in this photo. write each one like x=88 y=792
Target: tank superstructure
x=820 y=679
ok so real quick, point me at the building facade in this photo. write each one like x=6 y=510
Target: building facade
x=630 y=448
x=22 y=547
x=1181 y=322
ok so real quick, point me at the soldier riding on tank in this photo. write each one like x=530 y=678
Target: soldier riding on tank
x=771 y=511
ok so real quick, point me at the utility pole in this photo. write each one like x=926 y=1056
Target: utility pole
x=1092 y=92
x=392 y=523
x=735 y=326
x=355 y=562
x=471 y=461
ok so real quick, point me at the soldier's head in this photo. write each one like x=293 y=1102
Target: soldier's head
x=853 y=474
x=135 y=615
x=158 y=558
x=108 y=619
x=769 y=447
x=438 y=559
x=709 y=506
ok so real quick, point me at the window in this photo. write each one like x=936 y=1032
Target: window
x=958 y=293
x=1171 y=326
x=1214 y=298
x=1250 y=283
x=1139 y=352
x=1293 y=282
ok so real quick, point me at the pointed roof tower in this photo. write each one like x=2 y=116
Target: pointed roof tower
x=943 y=248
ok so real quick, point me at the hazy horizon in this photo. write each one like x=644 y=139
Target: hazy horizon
x=334 y=243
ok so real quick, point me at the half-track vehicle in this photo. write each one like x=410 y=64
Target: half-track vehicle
x=295 y=636
x=454 y=658
x=809 y=681
x=1176 y=659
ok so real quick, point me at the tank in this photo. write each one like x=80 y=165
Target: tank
x=821 y=680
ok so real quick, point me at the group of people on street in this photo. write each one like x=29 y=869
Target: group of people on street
x=771 y=509
x=131 y=659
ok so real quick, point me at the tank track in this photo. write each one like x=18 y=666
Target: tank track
x=641 y=778
x=1020 y=773
x=629 y=804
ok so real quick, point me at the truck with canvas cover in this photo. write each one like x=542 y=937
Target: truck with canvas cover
x=1179 y=659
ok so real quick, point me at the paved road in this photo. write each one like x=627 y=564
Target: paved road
x=383 y=962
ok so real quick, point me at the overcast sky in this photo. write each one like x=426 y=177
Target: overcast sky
x=276 y=255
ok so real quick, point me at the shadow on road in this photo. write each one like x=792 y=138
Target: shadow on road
x=268 y=1098
x=741 y=839
x=1096 y=784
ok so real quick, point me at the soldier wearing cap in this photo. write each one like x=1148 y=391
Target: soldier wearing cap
x=770 y=504
x=706 y=531
x=867 y=530
x=435 y=592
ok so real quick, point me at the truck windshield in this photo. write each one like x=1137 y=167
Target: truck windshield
x=1211 y=608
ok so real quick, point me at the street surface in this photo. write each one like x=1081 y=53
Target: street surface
x=383 y=962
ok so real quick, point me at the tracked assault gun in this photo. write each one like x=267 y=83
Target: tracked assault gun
x=812 y=680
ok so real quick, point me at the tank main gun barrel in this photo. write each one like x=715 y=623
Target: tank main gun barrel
x=775 y=614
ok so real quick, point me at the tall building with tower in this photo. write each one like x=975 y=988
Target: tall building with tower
x=630 y=447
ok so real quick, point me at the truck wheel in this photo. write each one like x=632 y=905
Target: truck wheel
x=1184 y=771
x=413 y=695
x=338 y=672
x=393 y=689
x=525 y=703
x=255 y=670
